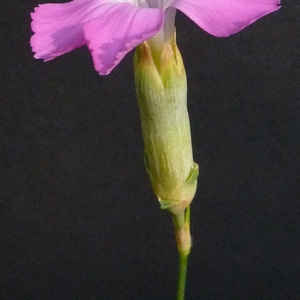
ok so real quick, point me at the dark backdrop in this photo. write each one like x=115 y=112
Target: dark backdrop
x=78 y=218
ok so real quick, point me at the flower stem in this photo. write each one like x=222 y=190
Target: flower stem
x=183 y=262
x=183 y=238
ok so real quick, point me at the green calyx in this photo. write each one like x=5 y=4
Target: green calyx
x=161 y=88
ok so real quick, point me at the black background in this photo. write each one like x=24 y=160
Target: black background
x=78 y=217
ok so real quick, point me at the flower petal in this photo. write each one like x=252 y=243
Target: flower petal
x=58 y=27
x=117 y=30
x=225 y=17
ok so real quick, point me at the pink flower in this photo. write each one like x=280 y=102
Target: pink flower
x=112 y=28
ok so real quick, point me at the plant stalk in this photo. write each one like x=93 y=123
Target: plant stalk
x=183 y=239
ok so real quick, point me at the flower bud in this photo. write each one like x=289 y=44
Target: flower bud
x=161 y=88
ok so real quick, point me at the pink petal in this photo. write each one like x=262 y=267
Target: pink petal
x=58 y=27
x=117 y=30
x=225 y=17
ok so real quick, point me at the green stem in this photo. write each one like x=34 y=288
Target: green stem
x=183 y=238
x=183 y=262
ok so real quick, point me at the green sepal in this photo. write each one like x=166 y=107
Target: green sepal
x=162 y=93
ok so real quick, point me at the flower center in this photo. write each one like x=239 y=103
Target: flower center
x=153 y=3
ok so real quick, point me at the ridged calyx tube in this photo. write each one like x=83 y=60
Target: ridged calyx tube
x=161 y=89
